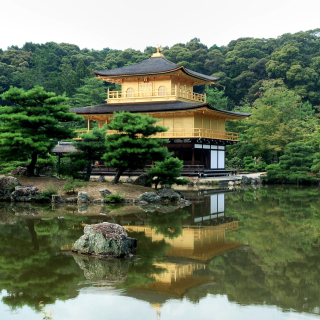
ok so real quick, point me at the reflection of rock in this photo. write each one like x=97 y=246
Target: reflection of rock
x=7 y=216
x=105 y=239
x=103 y=269
x=104 y=210
x=25 y=194
x=7 y=185
x=83 y=207
x=24 y=209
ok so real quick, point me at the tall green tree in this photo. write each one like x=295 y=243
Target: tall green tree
x=132 y=146
x=32 y=126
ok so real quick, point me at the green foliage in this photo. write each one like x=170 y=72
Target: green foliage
x=114 y=198
x=234 y=163
x=132 y=147
x=32 y=126
x=91 y=148
x=167 y=172
x=216 y=98
x=73 y=184
x=92 y=92
x=294 y=165
x=249 y=163
x=49 y=191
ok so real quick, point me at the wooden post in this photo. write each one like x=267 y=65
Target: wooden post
x=192 y=156
x=88 y=125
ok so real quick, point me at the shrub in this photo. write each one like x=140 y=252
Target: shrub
x=49 y=191
x=114 y=198
x=72 y=185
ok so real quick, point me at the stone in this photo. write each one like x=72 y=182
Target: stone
x=168 y=195
x=101 y=179
x=246 y=180
x=129 y=180
x=128 y=200
x=143 y=180
x=104 y=192
x=25 y=194
x=83 y=197
x=148 y=197
x=57 y=198
x=19 y=171
x=7 y=185
x=230 y=184
x=106 y=239
x=191 y=184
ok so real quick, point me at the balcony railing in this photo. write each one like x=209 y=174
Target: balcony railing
x=185 y=133
x=158 y=95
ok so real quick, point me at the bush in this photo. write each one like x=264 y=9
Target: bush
x=167 y=172
x=49 y=191
x=114 y=198
x=72 y=185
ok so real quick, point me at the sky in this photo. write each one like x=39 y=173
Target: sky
x=98 y=24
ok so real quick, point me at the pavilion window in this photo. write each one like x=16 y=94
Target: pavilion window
x=162 y=91
x=129 y=93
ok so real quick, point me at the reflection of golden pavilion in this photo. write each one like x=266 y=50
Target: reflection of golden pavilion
x=199 y=243
x=196 y=243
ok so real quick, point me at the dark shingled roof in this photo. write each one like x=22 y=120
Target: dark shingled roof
x=152 y=66
x=145 y=107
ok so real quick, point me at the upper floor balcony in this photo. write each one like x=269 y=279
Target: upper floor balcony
x=158 y=95
x=185 y=133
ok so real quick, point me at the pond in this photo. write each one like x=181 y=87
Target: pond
x=245 y=254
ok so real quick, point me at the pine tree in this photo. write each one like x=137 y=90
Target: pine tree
x=132 y=147
x=90 y=148
x=167 y=172
x=32 y=127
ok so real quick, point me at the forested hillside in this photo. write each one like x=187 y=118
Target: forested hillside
x=242 y=65
x=276 y=79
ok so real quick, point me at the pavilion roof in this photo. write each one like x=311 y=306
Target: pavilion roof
x=152 y=66
x=153 y=107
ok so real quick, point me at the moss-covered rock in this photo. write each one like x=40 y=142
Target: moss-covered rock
x=106 y=239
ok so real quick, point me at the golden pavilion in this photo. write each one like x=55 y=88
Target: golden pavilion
x=164 y=90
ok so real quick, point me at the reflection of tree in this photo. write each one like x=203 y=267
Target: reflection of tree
x=30 y=269
x=282 y=268
x=168 y=224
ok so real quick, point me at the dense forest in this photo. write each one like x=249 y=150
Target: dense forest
x=278 y=80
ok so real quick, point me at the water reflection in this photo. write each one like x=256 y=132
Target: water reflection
x=257 y=247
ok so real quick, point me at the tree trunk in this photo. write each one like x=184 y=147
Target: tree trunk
x=34 y=237
x=89 y=170
x=117 y=177
x=31 y=166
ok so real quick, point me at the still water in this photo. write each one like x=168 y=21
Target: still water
x=247 y=254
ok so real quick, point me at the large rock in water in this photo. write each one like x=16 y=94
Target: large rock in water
x=7 y=185
x=106 y=239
